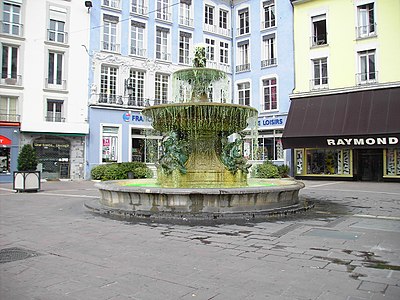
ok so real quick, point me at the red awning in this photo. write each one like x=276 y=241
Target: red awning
x=5 y=141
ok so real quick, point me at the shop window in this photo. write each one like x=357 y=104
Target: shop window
x=270 y=148
x=392 y=162
x=110 y=145
x=5 y=161
x=299 y=158
x=327 y=162
x=146 y=145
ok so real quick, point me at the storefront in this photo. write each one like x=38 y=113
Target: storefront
x=350 y=135
x=9 y=149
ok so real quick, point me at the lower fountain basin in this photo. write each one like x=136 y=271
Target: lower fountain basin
x=143 y=198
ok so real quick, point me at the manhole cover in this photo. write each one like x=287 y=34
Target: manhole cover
x=13 y=254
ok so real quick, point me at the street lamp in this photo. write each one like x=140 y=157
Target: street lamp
x=129 y=90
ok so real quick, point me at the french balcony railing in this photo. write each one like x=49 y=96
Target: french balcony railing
x=57 y=36
x=267 y=24
x=112 y=47
x=367 y=78
x=127 y=101
x=242 y=68
x=55 y=84
x=319 y=83
x=10 y=117
x=140 y=10
x=366 y=31
x=243 y=30
x=217 y=30
x=319 y=40
x=10 y=28
x=12 y=80
x=116 y=4
x=54 y=118
x=185 y=21
x=138 y=51
x=164 y=16
x=268 y=62
x=163 y=56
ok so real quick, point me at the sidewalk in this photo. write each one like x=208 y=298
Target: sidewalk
x=347 y=247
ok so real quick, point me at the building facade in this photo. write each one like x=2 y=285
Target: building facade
x=43 y=86
x=135 y=46
x=343 y=120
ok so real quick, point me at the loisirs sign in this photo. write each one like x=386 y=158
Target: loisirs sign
x=363 y=141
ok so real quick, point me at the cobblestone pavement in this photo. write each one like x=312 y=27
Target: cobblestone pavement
x=347 y=247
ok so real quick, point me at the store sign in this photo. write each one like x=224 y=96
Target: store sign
x=4 y=141
x=369 y=141
x=272 y=122
x=135 y=118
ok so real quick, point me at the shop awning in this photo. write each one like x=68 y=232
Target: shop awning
x=362 y=119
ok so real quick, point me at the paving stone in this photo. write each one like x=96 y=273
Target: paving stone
x=372 y=286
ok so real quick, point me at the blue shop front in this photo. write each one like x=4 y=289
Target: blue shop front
x=120 y=136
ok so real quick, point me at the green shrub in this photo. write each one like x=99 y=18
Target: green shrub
x=27 y=159
x=117 y=171
x=266 y=170
x=284 y=171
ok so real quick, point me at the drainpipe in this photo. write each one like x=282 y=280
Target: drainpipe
x=232 y=51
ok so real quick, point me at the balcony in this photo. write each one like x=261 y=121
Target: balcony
x=10 y=28
x=57 y=36
x=217 y=30
x=10 y=117
x=140 y=10
x=366 y=31
x=243 y=30
x=319 y=40
x=319 y=84
x=269 y=62
x=164 y=16
x=111 y=47
x=138 y=51
x=51 y=117
x=115 y=4
x=184 y=21
x=242 y=68
x=163 y=56
x=268 y=24
x=366 y=78
x=13 y=81
x=55 y=84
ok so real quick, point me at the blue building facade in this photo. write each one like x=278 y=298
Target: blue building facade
x=135 y=46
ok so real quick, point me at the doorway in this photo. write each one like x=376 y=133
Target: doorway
x=370 y=165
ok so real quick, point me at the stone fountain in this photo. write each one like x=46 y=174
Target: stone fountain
x=202 y=172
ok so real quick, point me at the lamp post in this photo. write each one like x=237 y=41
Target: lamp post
x=129 y=90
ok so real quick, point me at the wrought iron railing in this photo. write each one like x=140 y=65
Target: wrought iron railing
x=126 y=101
x=138 y=51
x=107 y=46
x=139 y=9
x=10 y=117
x=243 y=68
x=366 y=78
x=366 y=30
x=268 y=62
x=319 y=83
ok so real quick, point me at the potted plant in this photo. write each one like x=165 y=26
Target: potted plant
x=27 y=179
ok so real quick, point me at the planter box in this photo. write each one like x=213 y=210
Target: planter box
x=26 y=181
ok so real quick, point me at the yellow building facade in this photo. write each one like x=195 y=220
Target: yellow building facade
x=343 y=121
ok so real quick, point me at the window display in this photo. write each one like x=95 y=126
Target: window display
x=5 y=160
x=328 y=162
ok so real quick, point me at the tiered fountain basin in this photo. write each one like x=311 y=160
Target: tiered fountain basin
x=144 y=198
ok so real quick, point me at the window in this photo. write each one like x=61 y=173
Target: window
x=367 y=69
x=5 y=160
x=110 y=144
x=8 y=109
x=112 y=3
x=139 y=7
x=270 y=145
x=223 y=19
x=56 y=27
x=11 y=19
x=244 y=93
x=392 y=167
x=54 y=111
x=224 y=53
x=209 y=15
x=184 y=45
x=162 y=43
x=320 y=69
x=137 y=38
x=269 y=14
x=268 y=51
x=55 y=70
x=210 y=49
x=366 y=20
x=9 y=64
x=185 y=13
x=108 y=84
x=163 y=10
x=110 y=33
x=136 y=83
x=244 y=23
x=243 y=59
x=319 y=36
x=328 y=162
x=269 y=93
x=161 y=91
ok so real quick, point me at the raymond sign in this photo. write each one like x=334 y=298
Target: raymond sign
x=4 y=141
